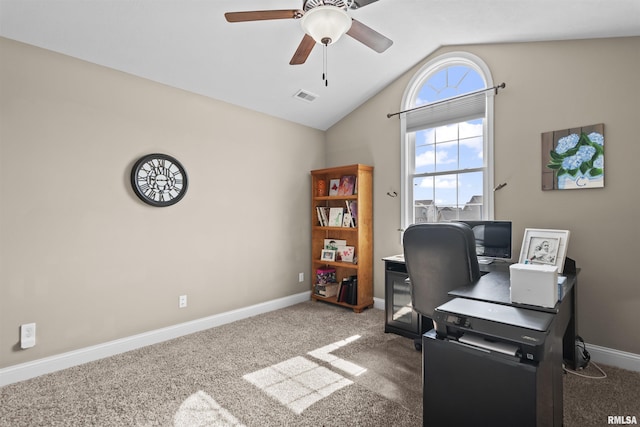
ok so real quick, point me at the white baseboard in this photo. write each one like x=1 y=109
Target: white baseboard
x=611 y=357
x=24 y=371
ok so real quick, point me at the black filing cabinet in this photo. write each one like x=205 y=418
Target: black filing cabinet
x=401 y=319
x=467 y=386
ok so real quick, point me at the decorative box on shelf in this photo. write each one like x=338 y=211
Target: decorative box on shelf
x=327 y=290
x=325 y=276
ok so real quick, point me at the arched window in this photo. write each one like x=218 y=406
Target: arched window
x=447 y=144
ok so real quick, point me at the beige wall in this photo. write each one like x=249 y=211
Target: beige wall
x=84 y=258
x=550 y=86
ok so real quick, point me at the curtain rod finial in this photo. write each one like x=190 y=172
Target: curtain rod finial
x=500 y=186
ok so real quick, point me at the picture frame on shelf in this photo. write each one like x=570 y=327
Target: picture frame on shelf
x=346 y=253
x=334 y=244
x=544 y=247
x=328 y=255
x=334 y=186
x=347 y=185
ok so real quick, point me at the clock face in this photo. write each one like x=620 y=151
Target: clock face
x=159 y=180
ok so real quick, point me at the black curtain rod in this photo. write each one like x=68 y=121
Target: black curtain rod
x=495 y=88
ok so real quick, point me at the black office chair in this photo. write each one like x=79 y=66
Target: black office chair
x=439 y=258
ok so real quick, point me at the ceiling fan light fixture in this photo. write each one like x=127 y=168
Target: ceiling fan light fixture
x=326 y=24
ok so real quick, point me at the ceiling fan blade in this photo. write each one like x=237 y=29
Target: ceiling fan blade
x=262 y=15
x=303 y=51
x=369 y=37
x=357 y=4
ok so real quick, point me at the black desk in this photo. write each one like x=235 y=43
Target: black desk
x=400 y=318
x=495 y=287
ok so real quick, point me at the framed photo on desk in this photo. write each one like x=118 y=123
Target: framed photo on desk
x=546 y=247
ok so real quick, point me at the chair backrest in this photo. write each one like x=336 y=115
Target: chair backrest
x=439 y=258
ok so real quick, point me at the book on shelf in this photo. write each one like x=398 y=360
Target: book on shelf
x=352 y=294
x=323 y=215
x=346 y=220
x=320 y=218
x=341 y=296
x=348 y=290
x=338 y=217
x=335 y=217
x=352 y=211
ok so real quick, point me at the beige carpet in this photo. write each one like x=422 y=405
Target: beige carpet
x=311 y=364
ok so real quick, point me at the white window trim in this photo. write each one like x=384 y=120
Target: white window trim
x=408 y=139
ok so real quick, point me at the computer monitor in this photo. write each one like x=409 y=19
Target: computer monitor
x=493 y=239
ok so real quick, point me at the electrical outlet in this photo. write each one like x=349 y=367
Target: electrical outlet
x=28 y=335
x=300 y=277
x=182 y=303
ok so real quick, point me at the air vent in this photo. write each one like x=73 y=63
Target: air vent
x=305 y=96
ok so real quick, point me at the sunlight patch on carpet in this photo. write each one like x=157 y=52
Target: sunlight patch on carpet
x=200 y=409
x=297 y=383
x=324 y=354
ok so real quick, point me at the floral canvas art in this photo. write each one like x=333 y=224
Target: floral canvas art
x=573 y=158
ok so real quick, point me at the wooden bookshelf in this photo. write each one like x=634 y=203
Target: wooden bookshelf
x=360 y=236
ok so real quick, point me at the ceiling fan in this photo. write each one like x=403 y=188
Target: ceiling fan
x=324 y=22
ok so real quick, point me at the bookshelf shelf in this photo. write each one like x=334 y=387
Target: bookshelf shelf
x=352 y=197
x=319 y=263
x=337 y=229
x=358 y=200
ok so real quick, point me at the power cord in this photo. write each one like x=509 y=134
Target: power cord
x=571 y=371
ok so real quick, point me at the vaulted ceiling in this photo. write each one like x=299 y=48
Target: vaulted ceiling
x=188 y=44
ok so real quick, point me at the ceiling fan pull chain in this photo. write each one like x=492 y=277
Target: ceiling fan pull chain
x=324 y=65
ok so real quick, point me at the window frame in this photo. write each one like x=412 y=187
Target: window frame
x=407 y=154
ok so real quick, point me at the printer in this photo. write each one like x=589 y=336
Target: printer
x=514 y=331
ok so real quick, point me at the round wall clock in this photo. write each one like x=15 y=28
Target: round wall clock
x=159 y=180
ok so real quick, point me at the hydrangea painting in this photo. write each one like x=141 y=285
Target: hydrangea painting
x=573 y=158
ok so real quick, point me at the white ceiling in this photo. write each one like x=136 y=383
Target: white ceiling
x=188 y=44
